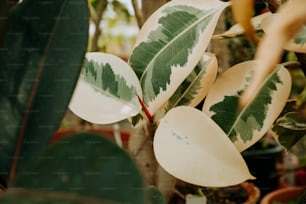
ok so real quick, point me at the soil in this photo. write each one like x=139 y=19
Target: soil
x=227 y=195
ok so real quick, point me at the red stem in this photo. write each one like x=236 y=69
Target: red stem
x=145 y=109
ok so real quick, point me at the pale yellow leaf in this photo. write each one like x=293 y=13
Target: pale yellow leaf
x=290 y=19
x=243 y=12
x=192 y=147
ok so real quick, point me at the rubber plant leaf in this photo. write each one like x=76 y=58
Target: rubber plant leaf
x=195 y=87
x=201 y=153
x=236 y=29
x=290 y=127
x=191 y=91
x=41 y=59
x=297 y=43
x=170 y=44
x=245 y=127
x=243 y=12
x=85 y=164
x=154 y=196
x=26 y=196
x=281 y=30
x=107 y=90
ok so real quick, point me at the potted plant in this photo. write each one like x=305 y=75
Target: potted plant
x=167 y=74
x=285 y=195
x=43 y=45
x=157 y=88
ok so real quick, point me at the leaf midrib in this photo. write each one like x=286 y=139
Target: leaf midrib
x=98 y=89
x=250 y=102
x=32 y=95
x=173 y=40
x=191 y=84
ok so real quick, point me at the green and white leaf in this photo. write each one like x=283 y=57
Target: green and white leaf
x=298 y=42
x=238 y=30
x=200 y=153
x=247 y=126
x=170 y=44
x=290 y=127
x=107 y=90
x=195 y=87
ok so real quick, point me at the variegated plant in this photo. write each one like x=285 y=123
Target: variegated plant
x=169 y=73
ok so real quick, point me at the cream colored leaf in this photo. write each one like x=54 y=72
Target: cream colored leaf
x=243 y=12
x=238 y=30
x=290 y=19
x=193 y=148
x=107 y=90
x=296 y=44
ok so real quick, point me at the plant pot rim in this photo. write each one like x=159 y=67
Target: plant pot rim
x=290 y=190
x=253 y=192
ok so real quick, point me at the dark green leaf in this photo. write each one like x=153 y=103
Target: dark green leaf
x=22 y=196
x=40 y=63
x=154 y=196
x=86 y=164
x=290 y=128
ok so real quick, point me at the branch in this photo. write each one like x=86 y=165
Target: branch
x=138 y=13
x=102 y=4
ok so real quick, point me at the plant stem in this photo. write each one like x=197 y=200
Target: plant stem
x=138 y=13
x=102 y=4
x=145 y=109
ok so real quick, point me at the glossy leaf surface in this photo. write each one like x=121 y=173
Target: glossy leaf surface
x=195 y=87
x=18 y=196
x=201 y=153
x=170 y=44
x=40 y=61
x=106 y=91
x=88 y=165
x=290 y=127
x=247 y=126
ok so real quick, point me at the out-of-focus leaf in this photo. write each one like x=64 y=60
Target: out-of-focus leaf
x=238 y=30
x=200 y=153
x=247 y=126
x=107 y=90
x=22 y=196
x=243 y=11
x=154 y=196
x=290 y=19
x=291 y=126
x=170 y=44
x=41 y=58
x=297 y=43
x=88 y=165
